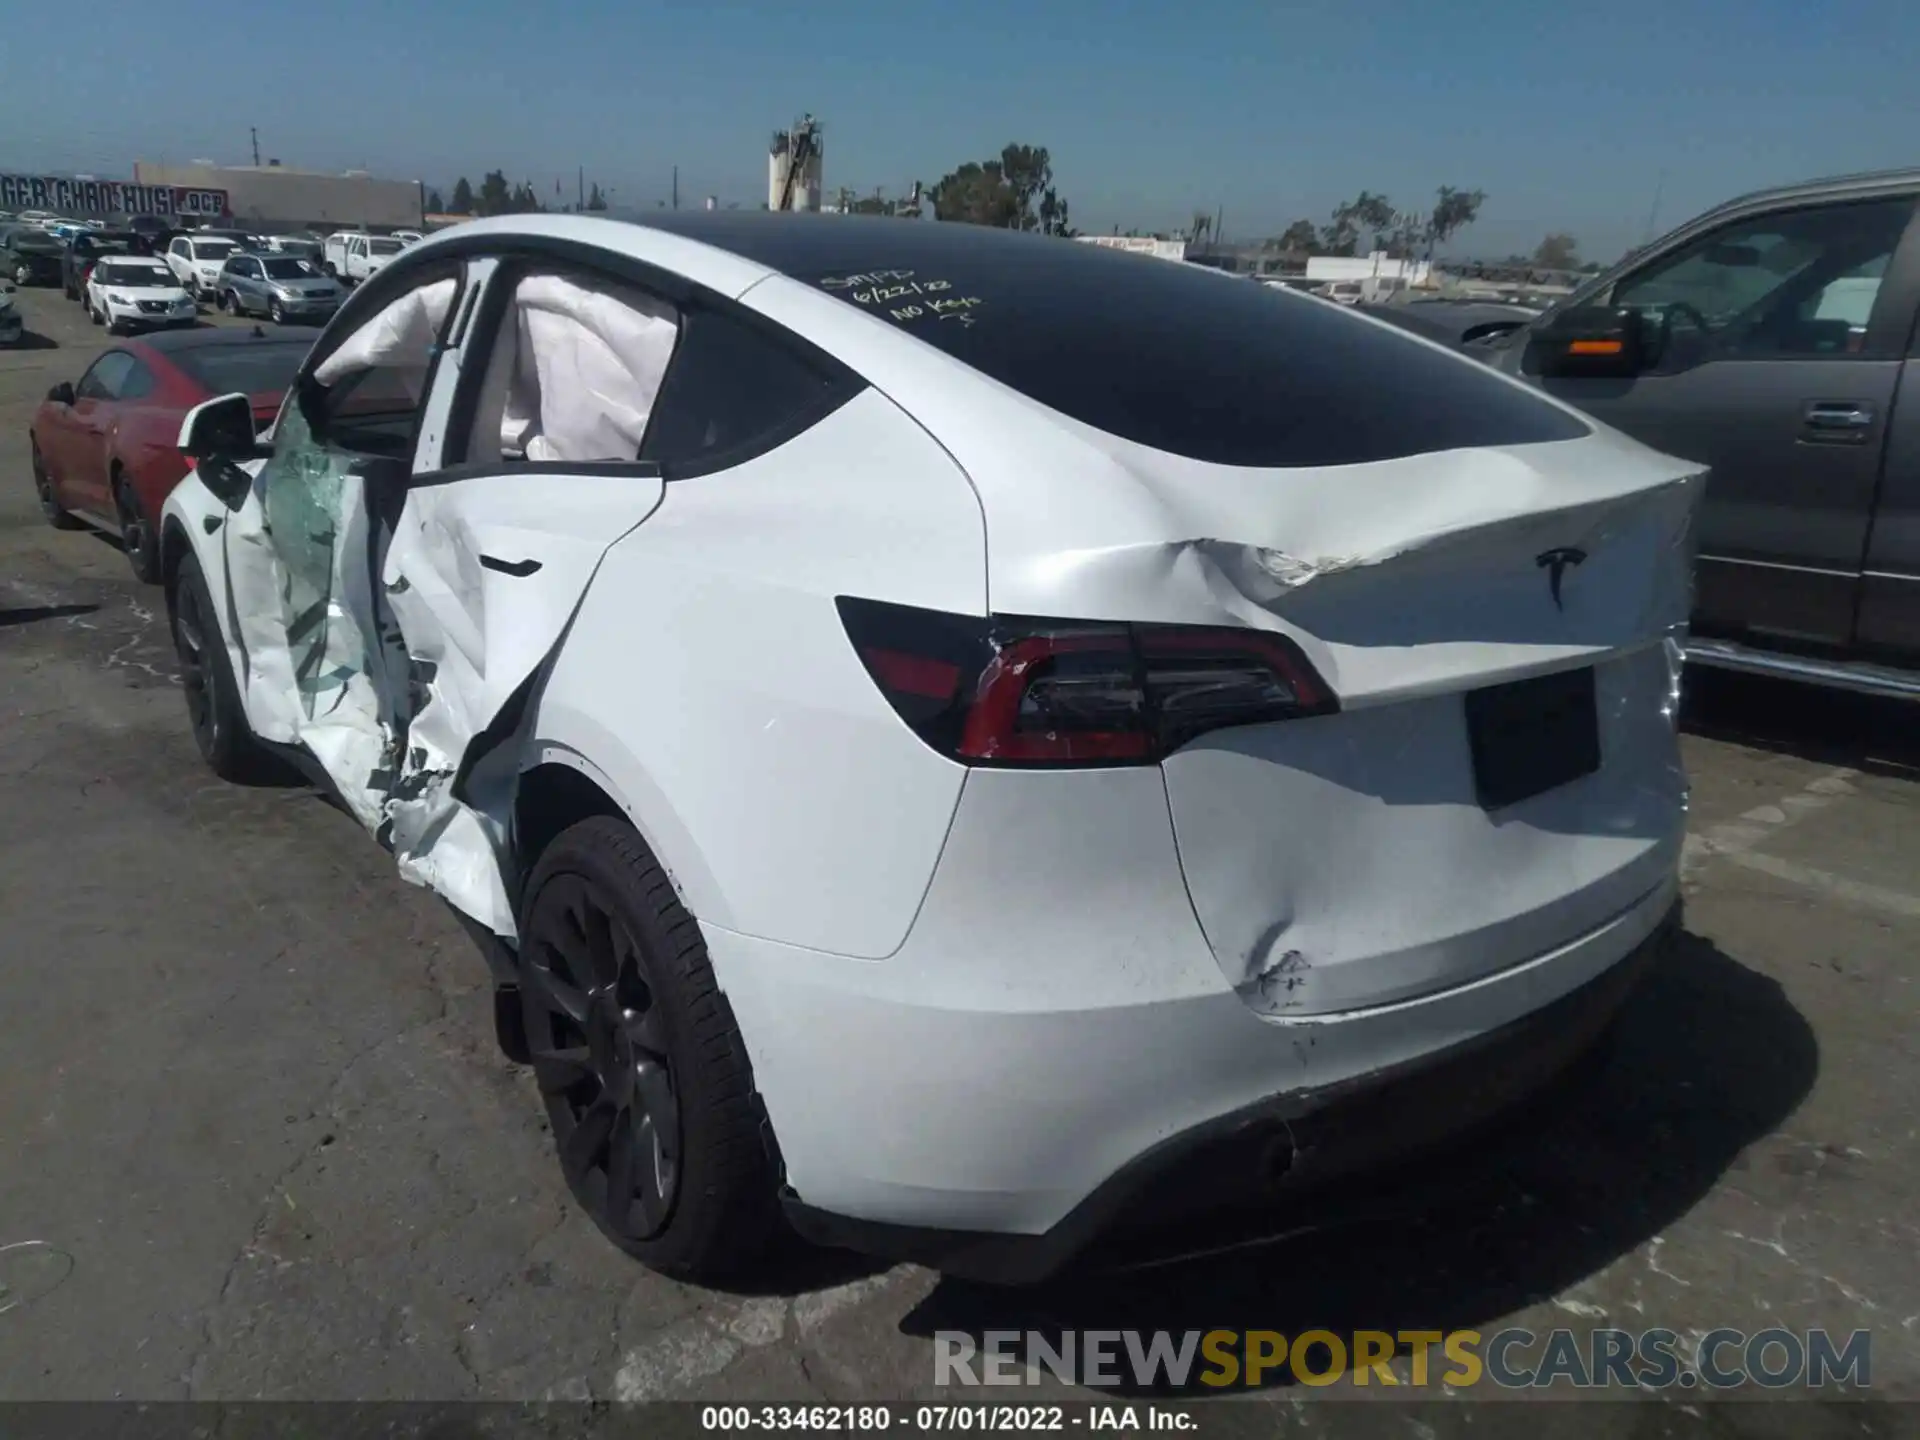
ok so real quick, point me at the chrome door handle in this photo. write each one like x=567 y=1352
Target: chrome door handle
x=1836 y=421
x=1840 y=415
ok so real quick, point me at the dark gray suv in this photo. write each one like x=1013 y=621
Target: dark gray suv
x=1772 y=339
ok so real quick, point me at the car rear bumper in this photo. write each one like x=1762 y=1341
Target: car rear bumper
x=1056 y=1017
x=12 y=327
x=1288 y=1145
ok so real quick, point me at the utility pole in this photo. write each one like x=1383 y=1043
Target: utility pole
x=581 y=205
x=1653 y=212
x=676 y=187
x=255 y=133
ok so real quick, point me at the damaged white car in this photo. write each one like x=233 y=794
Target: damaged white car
x=955 y=740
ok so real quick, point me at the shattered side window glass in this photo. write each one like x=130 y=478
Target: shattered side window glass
x=304 y=494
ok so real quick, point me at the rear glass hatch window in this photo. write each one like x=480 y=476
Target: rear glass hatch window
x=1159 y=352
x=1199 y=364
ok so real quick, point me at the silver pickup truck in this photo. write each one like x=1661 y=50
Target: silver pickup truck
x=1772 y=339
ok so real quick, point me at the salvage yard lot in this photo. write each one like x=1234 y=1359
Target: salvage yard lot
x=253 y=1121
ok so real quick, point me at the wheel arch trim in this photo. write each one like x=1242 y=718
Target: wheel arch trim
x=561 y=739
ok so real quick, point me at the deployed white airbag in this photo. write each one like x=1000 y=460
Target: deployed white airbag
x=586 y=366
x=402 y=335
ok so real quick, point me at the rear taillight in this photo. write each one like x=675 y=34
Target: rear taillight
x=1014 y=691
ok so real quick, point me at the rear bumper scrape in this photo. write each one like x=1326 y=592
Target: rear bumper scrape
x=1291 y=1144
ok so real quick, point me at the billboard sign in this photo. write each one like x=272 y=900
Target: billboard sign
x=66 y=195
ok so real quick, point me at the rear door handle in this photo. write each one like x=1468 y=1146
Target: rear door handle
x=1836 y=422
x=519 y=569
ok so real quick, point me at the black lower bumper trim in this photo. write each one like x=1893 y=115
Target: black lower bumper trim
x=1286 y=1145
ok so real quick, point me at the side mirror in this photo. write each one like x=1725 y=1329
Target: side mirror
x=61 y=394
x=222 y=427
x=1590 y=342
x=218 y=434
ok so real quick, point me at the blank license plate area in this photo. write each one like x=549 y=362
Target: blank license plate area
x=1532 y=736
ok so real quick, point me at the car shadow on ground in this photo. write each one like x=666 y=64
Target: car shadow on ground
x=1708 y=1057
x=1834 y=727
x=29 y=614
x=31 y=341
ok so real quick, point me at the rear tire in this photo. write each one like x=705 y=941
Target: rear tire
x=50 y=505
x=645 y=1076
x=219 y=724
x=137 y=535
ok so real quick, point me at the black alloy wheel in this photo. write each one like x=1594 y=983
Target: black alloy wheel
x=137 y=535
x=599 y=1045
x=645 y=1075
x=219 y=722
x=50 y=505
x=191 y=623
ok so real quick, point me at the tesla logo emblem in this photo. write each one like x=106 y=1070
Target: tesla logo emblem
x=1556 y=563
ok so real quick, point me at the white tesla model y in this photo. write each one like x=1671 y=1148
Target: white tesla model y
x=950 y=737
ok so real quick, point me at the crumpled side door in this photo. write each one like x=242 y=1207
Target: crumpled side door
x=483 y=576
x=490 y=559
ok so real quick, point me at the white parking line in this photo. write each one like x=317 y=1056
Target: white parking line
x=1733 y=838
x=1833 y=887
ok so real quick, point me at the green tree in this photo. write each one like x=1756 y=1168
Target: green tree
x=595 y=200
x=1453 y=211
x=1014 y=192
x=974 y=194
x=462 y=197
x=496 y=197
x=1299 y=238
x=1559 y=251
x=1365 y=217
x=434 y=205
x=874 y=204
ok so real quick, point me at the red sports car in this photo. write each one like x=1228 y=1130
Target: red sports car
x=105 y=448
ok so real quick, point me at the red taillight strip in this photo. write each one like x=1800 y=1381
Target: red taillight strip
x=913 y=674
x=991 y=731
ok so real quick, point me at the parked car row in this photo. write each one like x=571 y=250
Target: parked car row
x=241 y=273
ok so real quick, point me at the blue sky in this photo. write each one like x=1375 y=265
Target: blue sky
x=1566 y=115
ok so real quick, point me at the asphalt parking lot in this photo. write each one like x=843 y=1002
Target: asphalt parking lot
x=256 y=1140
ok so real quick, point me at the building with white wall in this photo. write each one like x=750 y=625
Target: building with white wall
x=1377 y=266
x=274 y=194
x=1139 y=245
